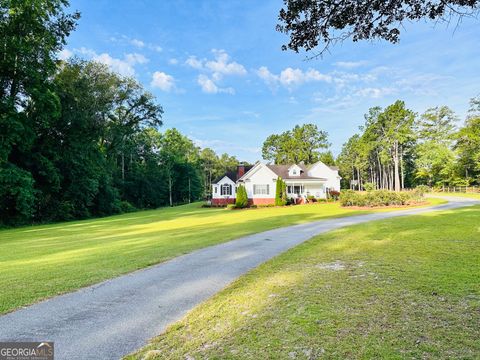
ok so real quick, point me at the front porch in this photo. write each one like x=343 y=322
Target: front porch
x=301 y=190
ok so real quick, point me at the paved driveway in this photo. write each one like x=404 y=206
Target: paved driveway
x=118 y=316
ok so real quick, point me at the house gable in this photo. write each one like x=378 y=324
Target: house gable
x=319 y=169
x=295 y=170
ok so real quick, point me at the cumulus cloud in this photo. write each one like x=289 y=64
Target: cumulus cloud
x=65 y=54
x=350 y=64
x=123 y=66
x=375 y=93
x=213 y=71
x=290 y=77
x=136 y=59
x=137 y=43
x=193 y=62
x=162 y=81
x=223 y=66
x=126 y=40
x=173 y=61
x=208 y=86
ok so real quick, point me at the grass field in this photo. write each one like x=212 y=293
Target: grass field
x=399 y=288
x=41 y=261
x=467 y=195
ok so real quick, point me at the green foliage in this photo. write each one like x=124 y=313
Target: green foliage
x=369 y=186
x=302 y=143
x=421 y=190
x=17 y=195
x=241 y=201
x=280 y=192
x=379 y=198
x=327 y=158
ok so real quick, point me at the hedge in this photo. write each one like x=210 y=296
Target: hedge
x=379 y=198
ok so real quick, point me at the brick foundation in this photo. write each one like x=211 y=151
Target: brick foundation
x=223 y=202
x=261 y=201
x=255 y=201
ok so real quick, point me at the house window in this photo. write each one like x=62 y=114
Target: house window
x=226 y=189
x=261 y=189
x=294 y=172
x=215 y=189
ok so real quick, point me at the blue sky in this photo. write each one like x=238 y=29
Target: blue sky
x=217 y=69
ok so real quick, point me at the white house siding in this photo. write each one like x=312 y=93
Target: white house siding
x=321 y=170
x=216 y=189
x=261 y=176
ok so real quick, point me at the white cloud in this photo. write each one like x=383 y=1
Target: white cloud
x=375 y=93
x=155 y=47
x=173 y=61
x=290 y=77
x=136 y=59
x=193 y=62
x=137 y=43
x=162 y=81
x=214 y=71
x=222 y=66
x=65 y=54
x=125 y=40
x=208 y=86
x=350 y=64
x=123 y=66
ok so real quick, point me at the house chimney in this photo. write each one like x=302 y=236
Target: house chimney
x=240 y=171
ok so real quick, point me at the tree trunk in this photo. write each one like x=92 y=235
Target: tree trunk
x=170 y=189
x=402 y=169
x=396 y=166
x=123 y=166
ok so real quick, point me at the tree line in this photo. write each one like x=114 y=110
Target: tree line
x=77 y=140
x=397 y=148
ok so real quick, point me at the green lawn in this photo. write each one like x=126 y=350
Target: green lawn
x=404 y=288
x=41 y=261
x=468 y=195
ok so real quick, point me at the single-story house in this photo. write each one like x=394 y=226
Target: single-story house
x=260 y=182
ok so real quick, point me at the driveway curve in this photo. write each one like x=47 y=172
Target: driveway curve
x=118 y=316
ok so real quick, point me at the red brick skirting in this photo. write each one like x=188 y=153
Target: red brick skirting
x=261 y=201
x=223 y=202
x=255 y=201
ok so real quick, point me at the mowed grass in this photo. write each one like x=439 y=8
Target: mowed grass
x=42 y=261
x=404 y=288
x=467 y=195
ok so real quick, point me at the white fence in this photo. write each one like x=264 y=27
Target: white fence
x=460 y=189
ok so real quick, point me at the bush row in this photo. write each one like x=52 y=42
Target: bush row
x=380 y=198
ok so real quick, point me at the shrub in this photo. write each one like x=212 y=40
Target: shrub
x=377 y=198
x=421 y=190
x=280 y=193
x=311 y=198
x=231 y=206
x=333 y=194
x=126 y=207
x=242 y=200
x=369 y=186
